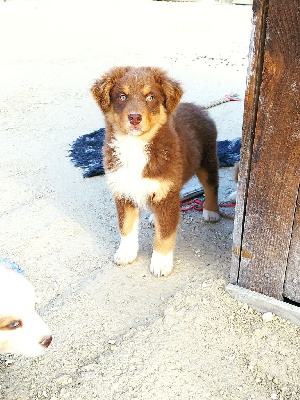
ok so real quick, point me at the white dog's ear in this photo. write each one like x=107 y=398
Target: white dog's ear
x=102 y=87
x=171 y=88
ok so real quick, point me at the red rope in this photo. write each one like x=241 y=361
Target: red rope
x=233 y=97
x=197 y=204
x=226 y=204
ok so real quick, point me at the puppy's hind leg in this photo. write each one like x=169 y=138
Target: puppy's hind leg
x=166 y=215
x=209 y=179
x=129 y=217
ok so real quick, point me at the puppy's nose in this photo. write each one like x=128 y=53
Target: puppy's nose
x=45 y=342
x=135 y=119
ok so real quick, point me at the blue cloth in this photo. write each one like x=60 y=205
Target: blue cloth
x=229 y=152
x=86 y=153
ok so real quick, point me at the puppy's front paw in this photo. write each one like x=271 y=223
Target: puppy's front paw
x=126 y=253
x=211 y=216
x=161 y=265
x=124 y=256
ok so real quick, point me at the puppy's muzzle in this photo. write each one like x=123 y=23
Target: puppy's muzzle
x=134 y=119
x=45 y=342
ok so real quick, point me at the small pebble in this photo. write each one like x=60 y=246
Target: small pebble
x=230 y=357
x=267 y=317
x=169 y=311
x=64 y=380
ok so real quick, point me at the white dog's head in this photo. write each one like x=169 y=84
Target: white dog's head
x=22 y=330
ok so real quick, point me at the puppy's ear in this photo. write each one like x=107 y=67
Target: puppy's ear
x=172 y=89
x=102 y=87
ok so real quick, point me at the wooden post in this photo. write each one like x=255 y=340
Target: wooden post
x=270 y=157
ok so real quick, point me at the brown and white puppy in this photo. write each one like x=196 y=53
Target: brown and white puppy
x=152 y=147
x=22 y=330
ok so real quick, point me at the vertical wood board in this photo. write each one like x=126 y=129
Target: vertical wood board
x=275 y=172
x=257 y=40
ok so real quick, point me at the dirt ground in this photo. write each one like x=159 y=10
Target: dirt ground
x=120 y=333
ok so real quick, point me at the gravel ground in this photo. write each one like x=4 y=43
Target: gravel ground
x=119 y=333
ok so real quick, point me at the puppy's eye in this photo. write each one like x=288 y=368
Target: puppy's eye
x=123 y=97
x=150 y=97
x=14 y=325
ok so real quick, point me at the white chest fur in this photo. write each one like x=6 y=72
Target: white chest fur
x=127 y=180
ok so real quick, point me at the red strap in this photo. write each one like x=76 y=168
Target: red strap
x=197 y=204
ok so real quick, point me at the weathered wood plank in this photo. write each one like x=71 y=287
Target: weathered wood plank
x=275 y=168
x=292 y=278
x=254 y=77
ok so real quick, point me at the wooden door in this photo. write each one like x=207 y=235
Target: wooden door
x=266 y=248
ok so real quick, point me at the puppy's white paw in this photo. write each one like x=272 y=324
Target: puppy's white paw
x=125 y=255
x=161 y=265
x=210 y=216
x=128 y=248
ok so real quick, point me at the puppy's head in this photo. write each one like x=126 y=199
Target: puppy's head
x=22 y=330
x=136 y=101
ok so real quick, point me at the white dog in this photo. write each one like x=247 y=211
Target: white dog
x=22 y=330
